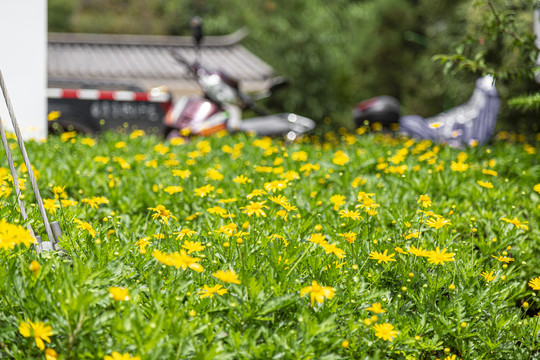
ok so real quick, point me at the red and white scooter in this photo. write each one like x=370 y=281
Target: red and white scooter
x=222 y=105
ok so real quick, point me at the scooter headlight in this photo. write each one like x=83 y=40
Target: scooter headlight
x=216 y=88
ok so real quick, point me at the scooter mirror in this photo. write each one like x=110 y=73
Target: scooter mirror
x=196 y=29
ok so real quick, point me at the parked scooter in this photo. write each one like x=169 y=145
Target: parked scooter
x=471 y=123
x=222 y=105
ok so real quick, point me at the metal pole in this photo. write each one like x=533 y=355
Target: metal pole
x=15 y=178
x=26 y=161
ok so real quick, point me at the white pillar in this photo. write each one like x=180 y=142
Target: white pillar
x=23 y=62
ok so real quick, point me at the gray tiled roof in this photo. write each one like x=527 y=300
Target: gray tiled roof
x=144 y=61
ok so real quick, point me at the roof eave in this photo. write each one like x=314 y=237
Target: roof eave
x=146 y=40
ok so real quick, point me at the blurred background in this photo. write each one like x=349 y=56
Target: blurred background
x=336 y=53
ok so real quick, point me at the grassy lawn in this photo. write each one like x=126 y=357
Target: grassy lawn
x=238 y=247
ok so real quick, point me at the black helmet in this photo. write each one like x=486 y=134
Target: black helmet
x=382 y=109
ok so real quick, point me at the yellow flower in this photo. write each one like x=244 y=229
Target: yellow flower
x=340 y=158
x=191 y=246
x=50 y=354
x=51 y=205
x=227 y=201
x=376 y=308
x=489 y=172
x=65 y=137
x=217 y=210
x=85 y=226
x=143 y=243
x=318 y=293
x=214 y=174
x=95 y=201
x=385 y=331
x=283 y=214
x=358 y=181
x=425 y=200
x=123 y=163
x=309 y=168
x=11 y=235
x=182 y=260
x=152 y=163
x=535 y=283
x=462 y=157
x=228 y=276
x=374 y=255
x=275 y=185
x=363 y=196
x=439 y=257
x=255 y=207
x=204 y=190
x=400 y=250
x=101 y=159
x=136 y=133
x=504 y=259
x=485 y=184
x=349 y=236
x=193 y=216
x=488 y=276
x=317 y=239
x=181 y=173
x=207 y=291
x=299 y=156
x=228 y=229
x=38 y=330
x=162 y=149
x=368 y=204
x=537 y=188
x=519 y=224
x=337 y=200
x=59 y=192
x=333 y=249
x=117 y=356
x=437 y=222
x=171 y=162
x=53 y=115
x=414 y=234
x=119 y=293
x=290 y=175
x=163 y=258
x=178 y=260
x=459 y=166
x=185 y=232
x=160 y=212
x=241 y=179
x=34 y=267
x=173 y=189
x=66 y=203
x=280 y=200
x=256 y=192
x=418 y=251
x=354 y=215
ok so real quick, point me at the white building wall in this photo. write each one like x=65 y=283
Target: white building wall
x=23 y=62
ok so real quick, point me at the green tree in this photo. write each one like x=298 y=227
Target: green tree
x=500 y=41
x=59 y=15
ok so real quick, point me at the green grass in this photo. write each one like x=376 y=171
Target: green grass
x=437 y=310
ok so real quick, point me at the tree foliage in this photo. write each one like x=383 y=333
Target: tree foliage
x=335 y=53
x=500 y=41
